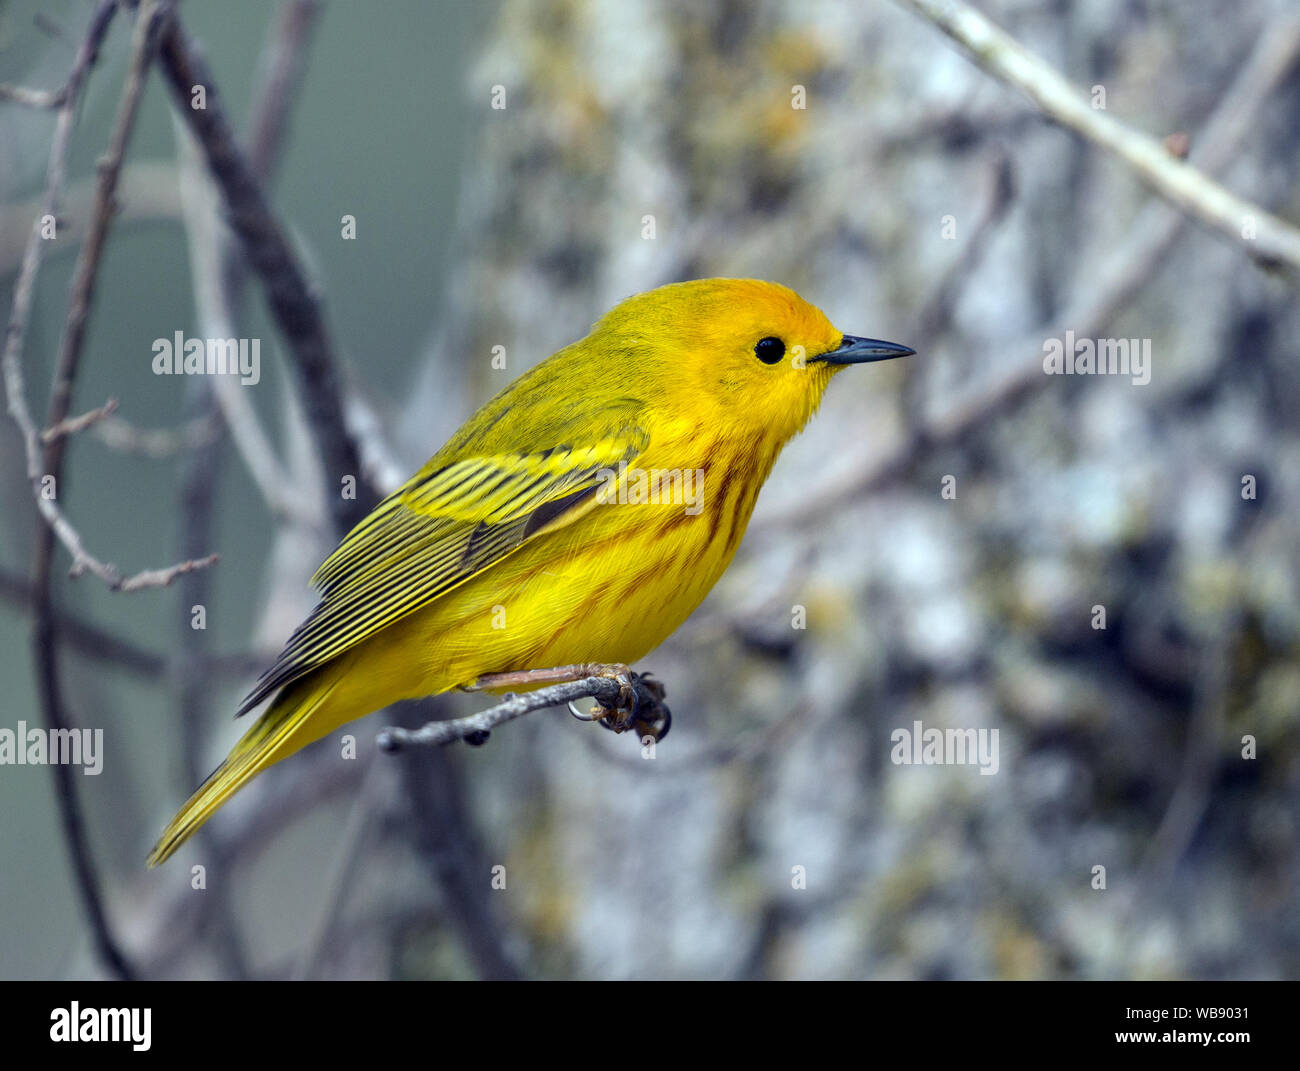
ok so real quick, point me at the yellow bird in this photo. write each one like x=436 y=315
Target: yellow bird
x=579 y=516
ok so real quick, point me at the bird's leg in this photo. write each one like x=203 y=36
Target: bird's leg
x=529 y=678
x=618 y=717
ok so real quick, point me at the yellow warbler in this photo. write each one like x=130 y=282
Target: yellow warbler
x=578 y=517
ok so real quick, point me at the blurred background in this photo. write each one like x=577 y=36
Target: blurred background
x=949 y=526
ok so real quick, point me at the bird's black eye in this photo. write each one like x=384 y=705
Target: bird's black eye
x=769 y=350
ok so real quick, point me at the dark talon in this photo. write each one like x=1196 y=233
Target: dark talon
x=477 y=738
x=639 y=706
x=659 y=718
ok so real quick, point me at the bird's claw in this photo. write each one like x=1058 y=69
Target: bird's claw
x=619 y=715
x=651 y=719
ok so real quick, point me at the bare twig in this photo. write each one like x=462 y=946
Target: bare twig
x=1274 y=241
x=292 y=299
x=280 y=72
x=46 y=99
x=72 y=425
x=160 y=578
x=156 y=443
x=475 y=727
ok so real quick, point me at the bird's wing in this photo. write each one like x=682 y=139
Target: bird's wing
x=449 y=522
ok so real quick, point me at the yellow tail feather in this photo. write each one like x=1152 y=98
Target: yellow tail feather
x=285 y=727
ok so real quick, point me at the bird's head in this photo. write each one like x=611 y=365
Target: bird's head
x=744 y=356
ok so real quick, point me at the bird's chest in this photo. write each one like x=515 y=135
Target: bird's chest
x=670 y=531
x=614 y=584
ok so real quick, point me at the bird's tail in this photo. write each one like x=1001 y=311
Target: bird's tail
x=286 y=726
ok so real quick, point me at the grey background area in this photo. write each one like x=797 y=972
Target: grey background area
x=913 y=199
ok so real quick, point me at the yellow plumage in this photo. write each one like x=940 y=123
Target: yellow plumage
x=518 y=521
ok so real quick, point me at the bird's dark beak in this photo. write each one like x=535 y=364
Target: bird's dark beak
x=854 y=350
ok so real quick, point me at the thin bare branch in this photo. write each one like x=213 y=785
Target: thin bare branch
x=1258 y=232
x=156 y=443
x=44 y=99
x=280 y=72
x=72 y=425
x=160 y=578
